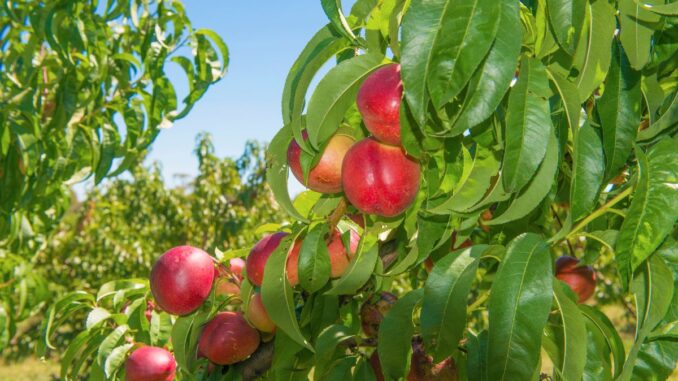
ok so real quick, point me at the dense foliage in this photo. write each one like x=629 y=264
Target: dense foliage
x=525 y=130
x=83 y=94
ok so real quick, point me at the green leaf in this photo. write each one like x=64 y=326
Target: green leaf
x=395 y=349
x=277 y=294
x=528 y=124
x=319 y=49
x=491 y=81
x=160 y=329
x=571 y=365
x=473 y=187
x=314 y=259
x=477 y=357
x=619 y=111
x=536 y=190
x=520 y=302
x=326 y=346
x=588 y=171
x=656 y=361
x=598 y=365
x=636 y=25
x=592 y=57
x=667 y=120
x=669 y=9
x=359 y=269
x=568 y=94
x=110 y=342
x=653 y=290
x=109 y=143
x=653 y=210
x=465 y=32
x=185 y=335
x=116 y=359
x=608 y=331
x=335 y=94
x=443 y=311
x=567 y=19
x=278 y=171
x=334 y=12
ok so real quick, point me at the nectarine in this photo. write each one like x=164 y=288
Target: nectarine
x=150 y=364
x=257 y=315
x=581 y=279
x=181 y=279
x=379 y=103
x=373 y=311
x=380 y=179
x=256 y=260
x=325 y=176
x=228 y=339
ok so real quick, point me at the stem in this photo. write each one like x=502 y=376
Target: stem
x=600 y=211
x=338 y=212
x=481 y=299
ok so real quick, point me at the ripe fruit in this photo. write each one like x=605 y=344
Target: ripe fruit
x=339 y=258
x=150 y=364
x=257 y=315
x=421 y=366
x=228 y=339
x=181 y=279
x=256 y=261
x=227 y=279
x=325 y=177
x=581 y=279
x=379 y=103
x=373 y=311
x=236 y=265
x=380 y=179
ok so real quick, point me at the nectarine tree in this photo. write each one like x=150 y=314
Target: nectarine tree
x=487 y=139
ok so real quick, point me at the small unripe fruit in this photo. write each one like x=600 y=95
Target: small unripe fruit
x=181 y=279
x=380 y=179
x=256 y=261
x=373 y=311
x=379 y=103
x=325 y=176
x=340 y=258
x=257 y=315
x=581 y=279
x=228 y=339
x=150 y=364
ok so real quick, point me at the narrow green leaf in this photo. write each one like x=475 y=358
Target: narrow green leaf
x=608 y=331
x=465 y=33
x=653 y=210
x=520 y=302
x=636 y=26
x=314 y=259
x=335 y=93
x=476 y=365
x=277 y=294
x=571 y=365
x=528 y=124
x=109 y=143
x=334 y=12
x=619 y=111
x=592 y=57
x=567 y=19
x=536 y=190
x=359 y=269
x=667 y=120
x=588 y=171
x=669 y=9
x=491 y=81
x=656 y=361
x=395 y=349
x=570 y=98
x=110 y=342
x=185 y=335
x=443 y=311
x=116 y=359
x=598 y=364
x=278 y=171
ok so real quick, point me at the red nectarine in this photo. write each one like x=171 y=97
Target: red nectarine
x=325 y=176
x=150 y=364
x=581 y=279
x=373 y=311
x=256 y=261
x=380 y=179
x=257 y=315
x=181 y=279
x=228 y=339
x=379 y=103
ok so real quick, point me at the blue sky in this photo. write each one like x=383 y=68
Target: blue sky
x=264 y=39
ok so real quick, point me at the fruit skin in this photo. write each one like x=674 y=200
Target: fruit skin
x=581 y=279
x=150 y=364
x=228 y=339
x=227 y=279
x=257 y=315
x=380 y=179
x=373 y=311
x=421 y=366
x=325 y=177
x=181 y=279
x=256 y=260
x=379 y=103
x=339 y=258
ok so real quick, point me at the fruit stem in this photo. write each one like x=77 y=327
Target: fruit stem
x=338 y=212
x=600 y=211
x=481 y=299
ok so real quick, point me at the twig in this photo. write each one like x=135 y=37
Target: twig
x=600 y=211
x=338 y=212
